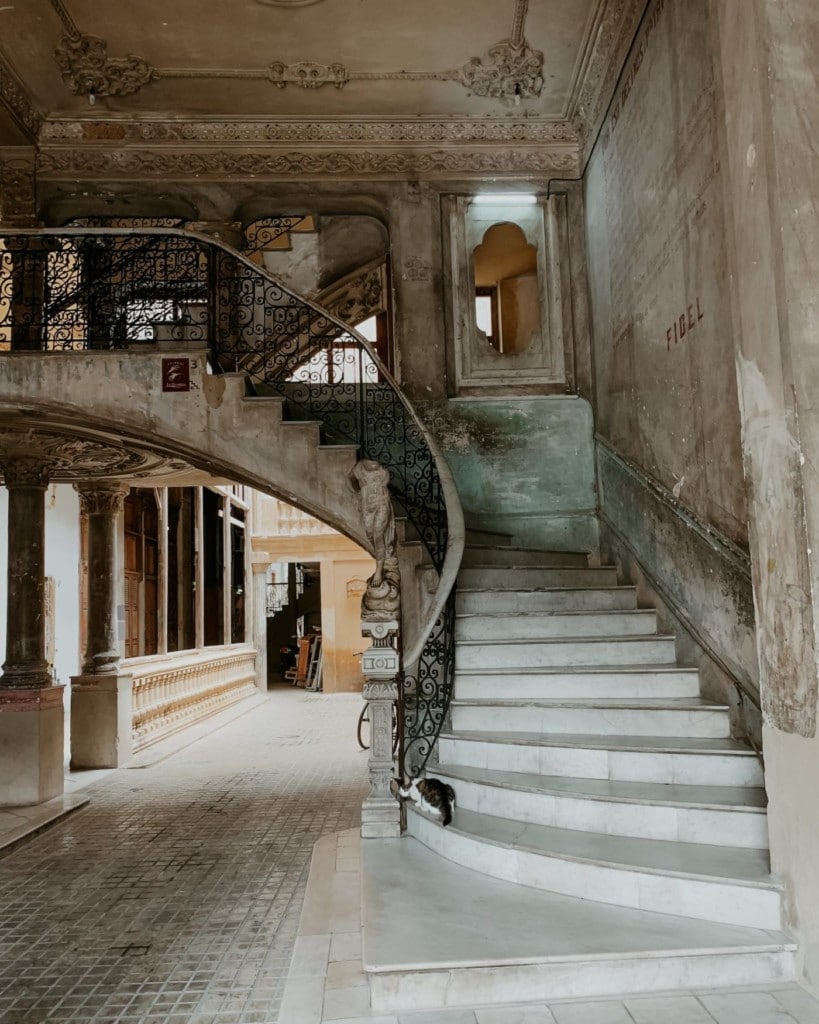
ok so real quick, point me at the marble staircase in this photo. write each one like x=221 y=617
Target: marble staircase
x=597 y=793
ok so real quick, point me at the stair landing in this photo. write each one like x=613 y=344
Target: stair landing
x=466 y=939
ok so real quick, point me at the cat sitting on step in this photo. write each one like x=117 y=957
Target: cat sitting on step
x=432 y=795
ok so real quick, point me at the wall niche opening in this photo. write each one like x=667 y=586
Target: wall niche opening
x=507 y=293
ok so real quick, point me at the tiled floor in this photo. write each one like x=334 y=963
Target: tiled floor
x=174 y=896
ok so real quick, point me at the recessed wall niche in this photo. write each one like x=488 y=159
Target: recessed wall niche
x=508 y=324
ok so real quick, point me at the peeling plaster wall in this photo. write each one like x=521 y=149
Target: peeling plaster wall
x=667 y=412
x=522 y=466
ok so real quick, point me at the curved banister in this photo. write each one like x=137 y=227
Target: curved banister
x=67 y=288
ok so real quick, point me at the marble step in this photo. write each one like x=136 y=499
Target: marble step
x=541 y=626
x=527 y=577
x=688 y=761
x=507 y=602
x=731 y=885
x=467 y=939
x=719 y=815
x=490 y=538
x=596 y=650
x=678 y=717
x=479 y=554
x=578 y=683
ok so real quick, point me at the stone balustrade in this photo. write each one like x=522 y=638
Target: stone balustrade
x=171 y=692
x=276 y=518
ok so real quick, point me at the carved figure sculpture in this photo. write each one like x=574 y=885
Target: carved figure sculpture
x=381 y=599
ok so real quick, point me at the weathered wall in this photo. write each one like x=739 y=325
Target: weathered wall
x=523 y=466
x=663 y=349
x=769 y=57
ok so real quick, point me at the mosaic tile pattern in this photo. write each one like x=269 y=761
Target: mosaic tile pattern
x=175 y=895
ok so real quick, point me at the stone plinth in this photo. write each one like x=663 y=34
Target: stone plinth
x=101 y=721
x=31 y=745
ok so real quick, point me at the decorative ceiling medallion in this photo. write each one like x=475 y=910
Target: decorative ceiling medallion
x=308 y=75
x=84 y=63
x=509 y=71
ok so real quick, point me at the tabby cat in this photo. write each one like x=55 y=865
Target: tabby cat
x=432 y=795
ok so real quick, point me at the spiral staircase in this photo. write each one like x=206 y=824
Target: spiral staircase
x=610 y=836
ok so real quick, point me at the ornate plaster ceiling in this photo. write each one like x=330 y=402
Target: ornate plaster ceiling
x=86 y=80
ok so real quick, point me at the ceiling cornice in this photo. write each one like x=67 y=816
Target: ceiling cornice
x=608 y=41
x=382 y=163
x=16 y=100
x=311 y=131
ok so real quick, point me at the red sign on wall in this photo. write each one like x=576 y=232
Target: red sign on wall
x=176 y=374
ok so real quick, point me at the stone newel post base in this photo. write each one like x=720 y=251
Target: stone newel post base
x=101 y=721
x=32 y=727
x=380 y=812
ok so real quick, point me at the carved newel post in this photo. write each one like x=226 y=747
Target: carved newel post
x=380 y=663
x=101 y=702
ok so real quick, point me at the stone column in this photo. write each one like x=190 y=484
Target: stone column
x=380 y=812
x=259 y=611
x=31 y=708
x=101 y=727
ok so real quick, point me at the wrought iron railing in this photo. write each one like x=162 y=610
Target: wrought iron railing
x=102 y=289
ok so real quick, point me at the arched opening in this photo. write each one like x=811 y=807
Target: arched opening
x=507 y=302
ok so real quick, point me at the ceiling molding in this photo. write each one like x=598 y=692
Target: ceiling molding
x=609 y=39
x=16 y=100
x=380 y=164
x=319 y=131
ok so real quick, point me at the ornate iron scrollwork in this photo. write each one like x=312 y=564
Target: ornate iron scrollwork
x=88 y=289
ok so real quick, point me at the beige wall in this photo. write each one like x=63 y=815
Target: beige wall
x=663 y=347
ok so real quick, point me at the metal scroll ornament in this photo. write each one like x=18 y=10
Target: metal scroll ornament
x=112 y=289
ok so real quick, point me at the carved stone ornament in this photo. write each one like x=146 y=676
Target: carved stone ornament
x=508 y=71
x=382 y=598
x=84 y=62
x=25 y=472
x=129 y=164
x=356 y=298
x=18 y=186
x=101 y=500
x=308 y=75
x=72 y=458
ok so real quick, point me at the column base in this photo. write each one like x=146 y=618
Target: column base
x=380 y=818
x=32 y=730
x=101 y=721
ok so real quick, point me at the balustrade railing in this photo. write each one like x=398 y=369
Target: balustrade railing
x=100 y=289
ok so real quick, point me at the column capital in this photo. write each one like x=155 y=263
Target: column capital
x=25 y=472
x=105 y=498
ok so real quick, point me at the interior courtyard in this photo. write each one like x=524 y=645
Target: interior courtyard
x=456 y=363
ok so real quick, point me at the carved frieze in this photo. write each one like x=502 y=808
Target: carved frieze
x=130 y=165
x=357 y=297
x=308 y=74
x=427 y=131
x=16 y=100
x=18 y=186
x=86 y=66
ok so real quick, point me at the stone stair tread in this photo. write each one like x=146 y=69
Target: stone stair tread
x=571 y=670
x=640 y=638
x=645 y=703
x=620 y=742
x=542 y=590
x=721 y=798
x=554 y=613
x=482 y=921
x=730 y=865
